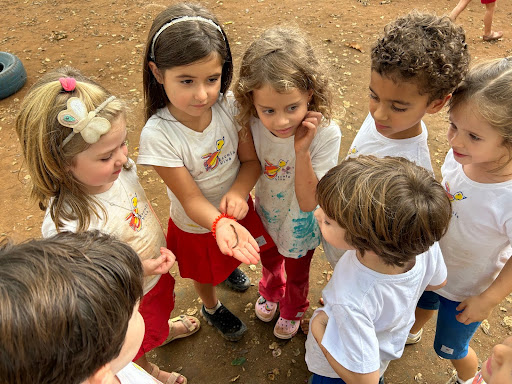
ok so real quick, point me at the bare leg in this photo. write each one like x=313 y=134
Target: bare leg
x=467 y=366
x=458 y=9
x=489 y=34
x=207 y=293
x=422 y=316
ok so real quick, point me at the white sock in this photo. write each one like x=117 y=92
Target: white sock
x=212 y=310
x=413 y=335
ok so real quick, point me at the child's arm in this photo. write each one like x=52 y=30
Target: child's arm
x=435 y=287
x=478 y=308
x=160 y=265
x=305 y=177
x=318 y=326
x=234 y=202
x=232 y=238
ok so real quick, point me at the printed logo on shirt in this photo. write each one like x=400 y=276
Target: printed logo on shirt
x=352 y=151
x=457 y=196
x=277 y=171
x=135 y=218
x=212 y=159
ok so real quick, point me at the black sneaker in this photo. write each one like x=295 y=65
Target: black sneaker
x=238 y=281
x=230 y=326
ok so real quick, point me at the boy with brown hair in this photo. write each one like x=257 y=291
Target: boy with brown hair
x=415 y=65
x=389 y=213
x=69 y=308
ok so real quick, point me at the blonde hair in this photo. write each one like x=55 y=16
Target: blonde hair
x=488 y=86
x=389 y=206
x=41 y=137
x=283 y=58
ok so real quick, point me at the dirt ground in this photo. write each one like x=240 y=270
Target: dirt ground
x=105 y=39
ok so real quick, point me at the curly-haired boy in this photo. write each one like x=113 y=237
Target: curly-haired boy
x=415 y=66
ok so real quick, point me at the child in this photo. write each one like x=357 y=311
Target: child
x=415 y=66
x=73 y=136
x=477 y=175
x=193 y=143
x=388 y=213
x=284 y=95
x=490 y=6
x=69 y=311
x=498 y=367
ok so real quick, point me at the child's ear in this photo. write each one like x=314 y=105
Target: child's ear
x=436 y=105
x=103 y=375
x=156 y=72
x=310 y=95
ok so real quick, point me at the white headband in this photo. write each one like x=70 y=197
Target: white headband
x=179 y=20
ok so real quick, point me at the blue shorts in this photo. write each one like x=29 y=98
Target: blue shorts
x=452 y=337
x=317 y=379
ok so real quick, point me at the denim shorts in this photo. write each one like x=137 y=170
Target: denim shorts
x=317 y=379
x=452 y=337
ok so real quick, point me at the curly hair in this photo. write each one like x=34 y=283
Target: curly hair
x=388 y=206
x=488 y=87
x=66 y=302
x=428 y=50
x=283 y=58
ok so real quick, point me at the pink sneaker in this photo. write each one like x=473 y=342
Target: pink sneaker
x=286 y=329
x=265 y=310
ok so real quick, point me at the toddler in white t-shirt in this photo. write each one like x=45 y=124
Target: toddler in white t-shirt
x=389 y=213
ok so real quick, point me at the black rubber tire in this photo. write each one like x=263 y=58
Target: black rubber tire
x=12 y=74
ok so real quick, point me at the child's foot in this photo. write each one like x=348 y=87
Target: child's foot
x=304 y=326
x=493 y=36
x=230 y=326
x=238 y=281
x=265 y=310
x=166 y=377
x=286 y=329
x=414 y=338
x=182 y=326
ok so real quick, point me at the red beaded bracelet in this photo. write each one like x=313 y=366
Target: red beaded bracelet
x=221 y=216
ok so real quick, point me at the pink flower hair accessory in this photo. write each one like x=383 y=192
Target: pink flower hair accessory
x=68 y=83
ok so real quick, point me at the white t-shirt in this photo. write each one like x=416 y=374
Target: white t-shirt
x=478 y=242
x=294 y=232
x=369 y=141
x=133 y=374
x=210 y=156
x=370 y=314
x=129 y=217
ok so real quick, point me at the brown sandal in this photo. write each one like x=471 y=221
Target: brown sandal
x=155 y=372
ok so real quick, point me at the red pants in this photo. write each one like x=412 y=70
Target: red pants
x=156 y=307
x=291 y=291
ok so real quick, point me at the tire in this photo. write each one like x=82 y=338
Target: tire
x=12 y=74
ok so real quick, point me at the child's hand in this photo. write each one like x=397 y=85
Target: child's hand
x=234 y=205
x=474 y=308
x=307 y=131
x=160 y=265
x=234 y=240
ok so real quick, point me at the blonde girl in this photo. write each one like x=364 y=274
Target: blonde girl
x=192 y=141
x=73 y=136
x=284 y=97
x=477 y=176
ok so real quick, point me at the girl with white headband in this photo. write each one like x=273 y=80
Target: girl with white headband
x=206 y=160
x=73 y=136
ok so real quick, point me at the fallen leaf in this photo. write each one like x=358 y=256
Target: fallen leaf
x=238 y=361
x=355 y=46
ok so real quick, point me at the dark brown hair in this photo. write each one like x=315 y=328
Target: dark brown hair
x=389 y=206
x=182 y=44
x=65 y=303
x=425 y=49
